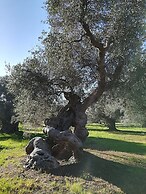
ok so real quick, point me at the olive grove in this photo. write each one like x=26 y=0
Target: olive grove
x=90 y=48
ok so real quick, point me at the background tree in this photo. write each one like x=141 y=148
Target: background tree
x=136 y=87
x=128 y=96
x=108 y=110
x=8 y=121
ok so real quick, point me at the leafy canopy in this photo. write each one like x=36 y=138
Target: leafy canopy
x=91 y=46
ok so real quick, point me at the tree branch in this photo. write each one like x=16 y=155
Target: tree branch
x=95 y=95
x=74 y=41
x=95 y=42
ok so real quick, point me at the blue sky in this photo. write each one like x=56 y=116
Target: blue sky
x=20 y=27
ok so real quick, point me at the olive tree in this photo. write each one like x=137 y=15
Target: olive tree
x=86 y=52
x=8 y=122
x=108 y=110
x=136 y=95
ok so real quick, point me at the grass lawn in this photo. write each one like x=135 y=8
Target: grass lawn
x=113 y=162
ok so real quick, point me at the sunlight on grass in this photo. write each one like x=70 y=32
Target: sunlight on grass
x=17 y=185
x=8 y=156
x=110 y=156
x=99 y=132
x=12 y=147
x=75 y=187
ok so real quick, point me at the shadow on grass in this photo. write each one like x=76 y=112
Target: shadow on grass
x=1 y=147
x=18 y=136
x=128 y=132
x=131 y=180
x=4 y=148
x=105 y=144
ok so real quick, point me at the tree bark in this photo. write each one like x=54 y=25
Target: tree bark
x=72 y=115
x=111 y=124
x=39 y=155
x=43 y=154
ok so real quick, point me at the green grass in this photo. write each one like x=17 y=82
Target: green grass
x=17 y=185
x=112 y=162
x=118 y=141
x=11 y=148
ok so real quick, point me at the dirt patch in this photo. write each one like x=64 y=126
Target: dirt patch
x=102 y=172
x=68 y=178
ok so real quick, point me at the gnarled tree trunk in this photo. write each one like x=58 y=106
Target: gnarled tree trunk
x=111 y=124
x=61 y=142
